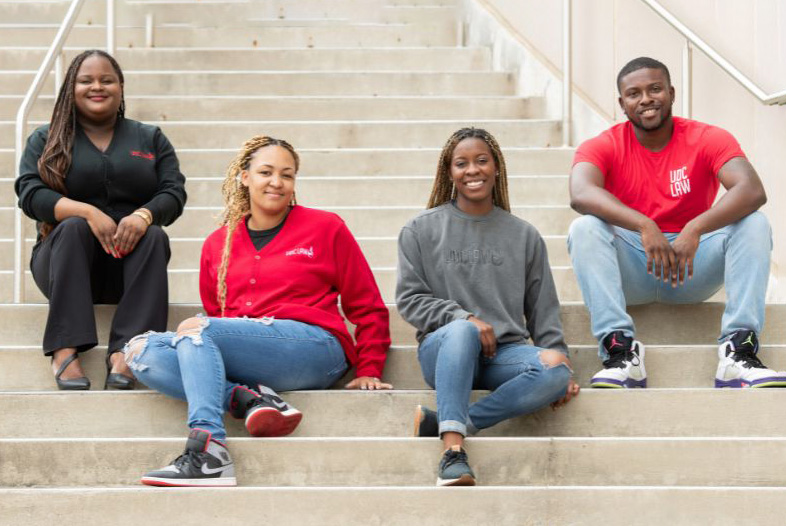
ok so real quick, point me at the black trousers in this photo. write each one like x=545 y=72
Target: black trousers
x=74 y=273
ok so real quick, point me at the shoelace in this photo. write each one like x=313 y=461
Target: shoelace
x=618 y=358
x=269 y=401
x=453 y=457
x=188 y=456
x=748 y=359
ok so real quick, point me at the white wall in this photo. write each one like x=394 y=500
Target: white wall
x=750 y=34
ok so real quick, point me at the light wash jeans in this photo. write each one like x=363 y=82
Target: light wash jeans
x=611 y=268
x=206 y=365
x=452 y=363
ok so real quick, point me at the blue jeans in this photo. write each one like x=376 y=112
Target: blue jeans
x=611 y=268
x=203 y=366
x=452 y=363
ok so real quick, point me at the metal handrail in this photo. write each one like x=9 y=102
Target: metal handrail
x=725 y=65
x=54 y=54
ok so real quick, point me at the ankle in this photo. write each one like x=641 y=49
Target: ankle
x=60 y=355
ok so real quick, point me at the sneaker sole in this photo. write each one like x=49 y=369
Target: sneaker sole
x=463 y=480
x=756 y=384
x=609 y=383
x=189 y=483
x=270 y=422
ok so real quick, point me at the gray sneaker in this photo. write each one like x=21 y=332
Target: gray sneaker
x=454 y=469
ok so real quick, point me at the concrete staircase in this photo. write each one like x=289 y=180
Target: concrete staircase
x=367 y=91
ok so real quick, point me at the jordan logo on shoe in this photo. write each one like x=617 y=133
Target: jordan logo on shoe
x=749 y=340
x=212 y=471
x=614 y=342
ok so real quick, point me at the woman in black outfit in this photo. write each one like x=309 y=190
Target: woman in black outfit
x=100 y=186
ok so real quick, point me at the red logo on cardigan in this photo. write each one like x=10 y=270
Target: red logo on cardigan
x=143 y=155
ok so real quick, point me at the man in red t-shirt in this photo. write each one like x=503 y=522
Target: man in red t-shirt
x=652 y=233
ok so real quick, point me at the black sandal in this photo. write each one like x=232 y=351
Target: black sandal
x=116 y=380
x=73 y=384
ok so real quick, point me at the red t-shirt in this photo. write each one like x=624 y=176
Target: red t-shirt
x=671 y=186
x=299 y=276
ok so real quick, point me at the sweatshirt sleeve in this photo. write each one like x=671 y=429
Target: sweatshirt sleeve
x=208 y=285
x=362 y=304
x=36 y=199
x=541 y=305
x=416 y=301
x=168 y=202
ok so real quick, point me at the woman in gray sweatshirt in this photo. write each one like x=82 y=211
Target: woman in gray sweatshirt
x=475 y=282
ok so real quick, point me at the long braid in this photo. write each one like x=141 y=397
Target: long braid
x=444 y=190
x=55 y=160
x=237 y=201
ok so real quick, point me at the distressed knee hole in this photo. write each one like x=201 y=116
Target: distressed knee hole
x=192 y=329
x=133 y=350
x=550 y=359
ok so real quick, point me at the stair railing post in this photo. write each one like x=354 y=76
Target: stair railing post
x=110 y=27
x=687 y=80
x=567 y=73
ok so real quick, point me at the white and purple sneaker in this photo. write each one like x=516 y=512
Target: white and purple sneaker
x=624 y=368
x=739 y=367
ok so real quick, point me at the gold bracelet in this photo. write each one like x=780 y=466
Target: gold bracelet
x=148 y=213
x=146 y=217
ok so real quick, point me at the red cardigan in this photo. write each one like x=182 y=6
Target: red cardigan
x=299 y=276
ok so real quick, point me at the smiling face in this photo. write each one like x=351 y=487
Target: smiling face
x=473 y=171
x=270 y=179
x=97 y=90
x=646 y=97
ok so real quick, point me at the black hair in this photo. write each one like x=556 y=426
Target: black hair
x=641 y=63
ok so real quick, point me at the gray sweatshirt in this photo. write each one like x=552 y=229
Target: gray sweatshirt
x=495 y=267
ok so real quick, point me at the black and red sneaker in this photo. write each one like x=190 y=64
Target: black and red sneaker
x=265 y=413
x=205 y=462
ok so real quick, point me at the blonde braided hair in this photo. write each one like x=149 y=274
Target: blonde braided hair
x=444 y=190
x=237 y=201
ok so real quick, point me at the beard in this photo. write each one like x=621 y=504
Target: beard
x=660 y=124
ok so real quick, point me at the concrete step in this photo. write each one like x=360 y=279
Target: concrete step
x=399 y=506
x=197 y=12
x=340 y=134
x=205 y=13
x=292 y=83
x=239 y=59
x=656 y=324
x=375 y=190
x=379 y=251
x=622 y=413
x=668 y=366
x=362 y=221
x=184 y=285
x=409 y=461
x=189 y=108
x=353 y=162
x=240 y=35
x=409 y=14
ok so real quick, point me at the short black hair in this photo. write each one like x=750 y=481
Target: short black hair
x=641 y=63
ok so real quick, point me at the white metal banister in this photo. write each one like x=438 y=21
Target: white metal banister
x=725 y=65
x=54 y=54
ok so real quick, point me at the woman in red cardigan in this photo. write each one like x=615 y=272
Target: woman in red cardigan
x=270 y=280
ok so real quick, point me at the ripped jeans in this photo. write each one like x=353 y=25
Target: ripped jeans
x=452 y=363
x=208 y=357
